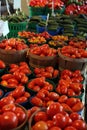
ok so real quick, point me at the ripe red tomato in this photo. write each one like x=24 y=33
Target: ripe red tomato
x=20 y=115
x=7 y=76
x=40 y=125
x=62 y=99
x=79 y=125
x=21 y=99
x=50 y=123
x=55 y=128
x=9 y=107
x=8 y=121
x=18 y=92
x=70 y=128
x=53 y=96
x=41 y=115
x=71 y=101
x=2 y=64
x=60 y=120
x=49 y=69
x=54 y=108
x=36 y=101
x=75 y=116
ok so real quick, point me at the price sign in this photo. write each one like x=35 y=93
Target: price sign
x=5 y=28
x=17 y=4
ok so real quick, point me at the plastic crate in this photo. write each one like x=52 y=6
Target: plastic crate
x=35 y=11
x=15 y=28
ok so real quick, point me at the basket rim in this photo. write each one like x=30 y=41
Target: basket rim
x=71 y=59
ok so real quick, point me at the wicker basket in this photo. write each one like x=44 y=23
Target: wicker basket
x=70 y=63
x=39 y=61
x=10 y=56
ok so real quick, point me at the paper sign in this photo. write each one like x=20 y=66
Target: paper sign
x=17 y=4
x=5 y=28
x=1 y=27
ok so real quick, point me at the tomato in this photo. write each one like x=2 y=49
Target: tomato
x=78 y=107
x=70 y=128
x=6 y=100
x=34 y=108
x=7 y=76
x=50 y=123
x=18 y=92
x=9 y=107
x=55 y=73
x=69 y=121
x=29 y=113
x=75 y=87
x=66 y=108
x=53 y=96
x=8 y=121
x=41 y=115
x=55 y=128
x=60 y=120
x=14 y=66
x=2 y=64
x=75 y=116
x=49 y=69
x=36 y=101
x=46 y=74
x=27 y=95
x=53 y=109
x=62 y=99
x=13 y=81
x=4 y=83
x=63 y=90
x=70 y=92
x=21 y=99
x=40 y=125
x=20 y=115
x=79 y=125
x=37 y=71
x=36 y=88
x=71 y=101
x=24 y=79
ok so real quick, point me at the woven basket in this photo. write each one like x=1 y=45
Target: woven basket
x=71 y=63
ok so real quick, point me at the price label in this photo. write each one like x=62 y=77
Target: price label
x=5 y=28
x=17 y=4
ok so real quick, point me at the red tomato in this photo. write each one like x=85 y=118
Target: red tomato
x=71 y=101
x=12 y=81
x=49 y=69
x=70 y=92
x=24 y=79
x=36 y=88
x=9 y=107
x=50 y=123
x=40 y=125
x=78 y=107
x=54 y=108
x=8 y=121
x=55 y=128
x=60 y=120
x=53 y=96
x=4 y=83
x=21 y=100
x=7 y=76
x=36 y=101
x=75 y=116
x=6 y=100
x=18 y=92
x=62 y=99
x=79 y=125
x=20 y=115
x=27 y=95
x=69 y=121
x=37 y=71
x=14 y=66
x=41 y=115
x=2 y=64
x=70 y=128
x=33 y=109
x=55 y=73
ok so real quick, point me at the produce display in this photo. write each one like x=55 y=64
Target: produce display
x=13 y=44
x=44 y=87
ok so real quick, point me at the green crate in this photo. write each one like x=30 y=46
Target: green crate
x=35 y=11
x=15 y=28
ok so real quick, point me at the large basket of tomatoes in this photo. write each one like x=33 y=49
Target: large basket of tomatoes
x=72 y=58
x=42 y=56
x=13 y=50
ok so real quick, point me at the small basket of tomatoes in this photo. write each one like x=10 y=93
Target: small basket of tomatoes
x=54 y=117
x=13 y=117
x=42 y=56
x=72 y=58
x=13 y=50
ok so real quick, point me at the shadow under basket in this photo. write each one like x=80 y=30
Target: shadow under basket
x=10 y=56
x=72 y=64
x=39 y=61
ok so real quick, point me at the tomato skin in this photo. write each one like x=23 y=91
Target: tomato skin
x=79 y=125
x=53 y=96
x=9 y=107
x=18 y=92
x=75 y=116
x=7 y=76
x=62 y=99
x=71 y=101
x=12 y=80
x=70 y=128
x=50 y=123
x=78 y=107
x=55 y=128
x=60 y=120
x=40 y=125
x=49 y=69
x=2 y=64
x=37 y=101
x=8 y=121
x=53 y=109
x=21 y=100
x=27 y=95
x=40 y=116
x=20 y=115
